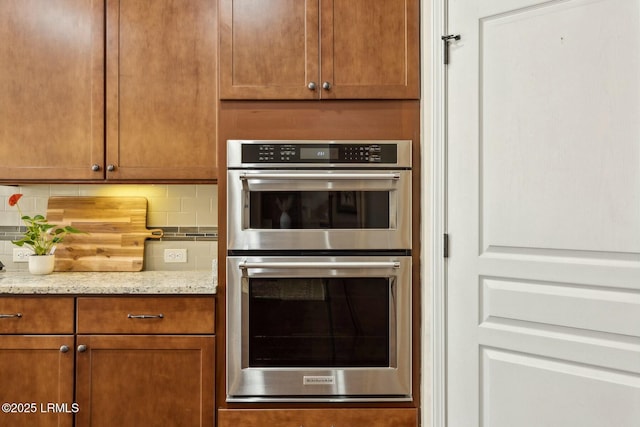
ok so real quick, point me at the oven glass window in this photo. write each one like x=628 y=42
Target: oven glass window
x=314 y=210
x=317 y=322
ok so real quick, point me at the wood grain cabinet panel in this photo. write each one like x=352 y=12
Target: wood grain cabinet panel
x=319 y=49
x=108 y=89
x=36 y=315
x=125 y=380
x=161 y=89
x=146 y=315
x=51 y=89
x=378 y=417
x=145 y=360
x=269 y=49
x=126 y=373
x=36 y=371
x=370 y=49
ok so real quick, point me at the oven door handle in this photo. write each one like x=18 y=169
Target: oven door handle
x=244 y=265
x=390 y=176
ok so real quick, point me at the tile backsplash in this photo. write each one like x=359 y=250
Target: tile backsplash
x=188 y=214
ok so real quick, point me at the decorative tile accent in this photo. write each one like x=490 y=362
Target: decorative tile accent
x=176 y=234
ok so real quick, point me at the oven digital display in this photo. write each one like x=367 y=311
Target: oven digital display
x=319 y=153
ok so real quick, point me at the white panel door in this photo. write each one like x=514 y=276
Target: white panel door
x=543 y=193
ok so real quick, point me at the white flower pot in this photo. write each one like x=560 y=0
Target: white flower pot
x=41 y=264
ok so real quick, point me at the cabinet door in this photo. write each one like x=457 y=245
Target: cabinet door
x=370 y=49
x=129 y=380
x=36 y=376
x=269 y=49
x=378 y=417
x=161 y=89
x=51 y=89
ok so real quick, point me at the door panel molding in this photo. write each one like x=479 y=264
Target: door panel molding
x=611 y=310
x=516 y=392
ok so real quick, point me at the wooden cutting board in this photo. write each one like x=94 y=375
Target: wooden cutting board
x=116 y=228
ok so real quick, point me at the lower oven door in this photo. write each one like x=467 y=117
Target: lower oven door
x=318 y=328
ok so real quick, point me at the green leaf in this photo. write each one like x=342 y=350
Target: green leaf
x=70 y=229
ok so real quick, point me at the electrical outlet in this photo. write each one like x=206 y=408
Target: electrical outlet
x=175 y=255
x=21 y=254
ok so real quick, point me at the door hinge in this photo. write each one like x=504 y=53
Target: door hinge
x=446 y=40
x=445 y=247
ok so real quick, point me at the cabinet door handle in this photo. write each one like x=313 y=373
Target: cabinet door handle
x=82 y=348
x=311 y=86
x=145 y=316
x=95 y=167
x=326 y=85
x=10 y=316
x=111 y=168
x=64 y=349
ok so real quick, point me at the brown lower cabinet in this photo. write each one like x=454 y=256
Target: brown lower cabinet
x=131 y=360
x=330 y=417
x=35 y=372
x=145 y=381
x=36 y=361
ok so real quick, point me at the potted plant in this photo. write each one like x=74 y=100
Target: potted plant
x=41 y=237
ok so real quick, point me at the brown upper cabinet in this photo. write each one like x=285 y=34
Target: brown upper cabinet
x=51 y=89
x=319 y=49
x=161 y=89
x=108 y=89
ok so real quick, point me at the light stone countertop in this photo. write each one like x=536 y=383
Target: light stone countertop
x=113 y=283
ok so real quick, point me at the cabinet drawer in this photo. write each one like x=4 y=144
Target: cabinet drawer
x=36 y=315
x=146 y=315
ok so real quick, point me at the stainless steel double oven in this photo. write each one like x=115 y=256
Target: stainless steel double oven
x=318 y=270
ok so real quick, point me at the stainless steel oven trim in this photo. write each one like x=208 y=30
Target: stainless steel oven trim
x=241 y=182
x=234 y=154
x=334 y=175
x=245 y=384
x=317 y=265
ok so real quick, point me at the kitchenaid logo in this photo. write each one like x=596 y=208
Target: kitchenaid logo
x=318 y=380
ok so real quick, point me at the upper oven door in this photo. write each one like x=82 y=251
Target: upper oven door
x=319 y=210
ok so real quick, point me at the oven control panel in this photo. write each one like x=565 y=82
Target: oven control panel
x=319 y=153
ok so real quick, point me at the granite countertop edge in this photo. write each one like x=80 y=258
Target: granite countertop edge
x=110 y=283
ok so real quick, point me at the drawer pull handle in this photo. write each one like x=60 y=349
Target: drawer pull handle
x=145 y=316
x=10 y=316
